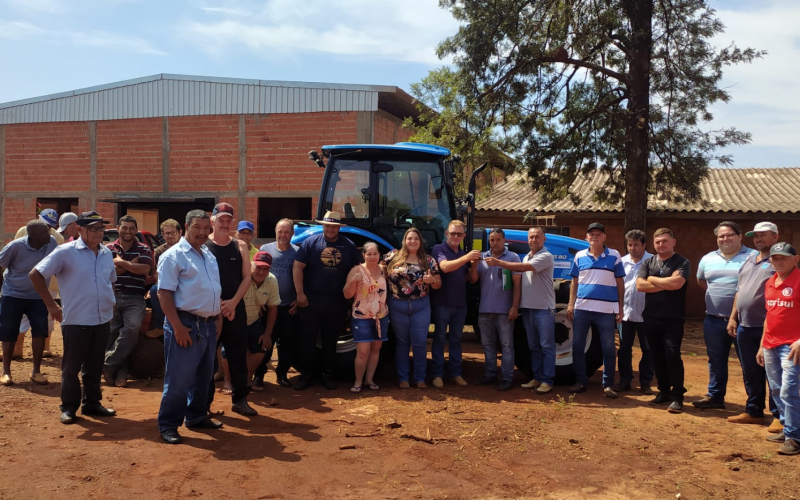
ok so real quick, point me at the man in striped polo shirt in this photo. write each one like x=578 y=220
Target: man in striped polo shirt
x=718 y=275
x=132 y=261
x=595 y=299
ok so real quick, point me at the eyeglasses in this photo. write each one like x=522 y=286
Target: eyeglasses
x=727 y=236
x=95 y=229
x=457 y=235
x=169 y=233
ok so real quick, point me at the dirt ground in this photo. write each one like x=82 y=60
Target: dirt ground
x=483 y=443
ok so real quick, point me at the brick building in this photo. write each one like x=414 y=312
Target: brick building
x=744 y=196
x=159 y=146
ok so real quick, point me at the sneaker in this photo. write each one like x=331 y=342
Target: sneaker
x=790 y=447
x=121 y=382
x=404 y=384
x=662 y=399
x=777 y=438
x=460 y=381
x=544 y=388
x=487 y=380
x=6 y=380
x=109 y=377
x=576 y=388
x=775 y=427
x=302 y=383
x=744 y=418
x=533 y=384
x=328 y=383
x=504 y=386
x=438 y=383
x=646 y=389
x=423 y=385
x=707 y=403
x=609 y=393
x=675 y=407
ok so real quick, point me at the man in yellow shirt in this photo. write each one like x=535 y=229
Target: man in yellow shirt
x=245 y=232
x=261 y=302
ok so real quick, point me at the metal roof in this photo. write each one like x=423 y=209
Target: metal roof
x=184 y=95
x=775 y=190
x=400 y=146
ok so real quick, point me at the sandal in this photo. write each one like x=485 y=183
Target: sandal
x=39 y=378
x=373 y=387
x=355 y=390
x=226 y=391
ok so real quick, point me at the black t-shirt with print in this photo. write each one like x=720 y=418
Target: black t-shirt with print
x=327 y=264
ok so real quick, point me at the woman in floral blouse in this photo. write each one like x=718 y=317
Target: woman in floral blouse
x=411 y=274
x=370 y=320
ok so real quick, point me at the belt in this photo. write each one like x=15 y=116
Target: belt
x=198 y=318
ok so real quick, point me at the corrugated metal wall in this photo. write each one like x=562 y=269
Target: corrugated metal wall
x=173 y=97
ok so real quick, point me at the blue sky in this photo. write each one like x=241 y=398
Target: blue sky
x=49 y=46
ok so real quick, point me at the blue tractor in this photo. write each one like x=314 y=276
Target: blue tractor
x=382 y=190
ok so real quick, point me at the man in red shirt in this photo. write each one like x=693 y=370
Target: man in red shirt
x=780 y=344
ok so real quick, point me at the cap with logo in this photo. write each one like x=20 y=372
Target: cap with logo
x=245 y=224
x=782 y=248
x=762 y=226
x=332 y=218
x=49 y=216
x=598 y=226
x=90 y=219
x=222 y=209
x=65 y=220
x=263 y=259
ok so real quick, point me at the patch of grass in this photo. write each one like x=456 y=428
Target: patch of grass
x=693 y=354
x=561 y=403
x=766 y=456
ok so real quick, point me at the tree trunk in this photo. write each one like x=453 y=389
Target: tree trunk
x=637 y=147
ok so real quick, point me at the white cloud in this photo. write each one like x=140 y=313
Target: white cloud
x=20 y=30
x=388 y=29
x=764 y=97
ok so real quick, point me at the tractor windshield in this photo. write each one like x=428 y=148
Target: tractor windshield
x=389 y=196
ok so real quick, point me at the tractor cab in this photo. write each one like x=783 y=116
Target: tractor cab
x=382 y=190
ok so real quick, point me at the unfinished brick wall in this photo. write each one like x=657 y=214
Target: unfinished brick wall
x=129 y=155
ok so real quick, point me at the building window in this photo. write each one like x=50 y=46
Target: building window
x=60 y=205
x=271 y=210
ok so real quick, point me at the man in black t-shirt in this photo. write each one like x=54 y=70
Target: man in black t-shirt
x=320 y=271
x=663 y=277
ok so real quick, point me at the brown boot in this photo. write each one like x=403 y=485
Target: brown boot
x=775 y=427
x=744 y=418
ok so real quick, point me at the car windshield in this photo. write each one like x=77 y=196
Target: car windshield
x=408 y=193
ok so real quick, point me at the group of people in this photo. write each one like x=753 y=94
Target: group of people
x=223 y=304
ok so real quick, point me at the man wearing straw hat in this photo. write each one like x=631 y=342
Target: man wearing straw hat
x=320 y=271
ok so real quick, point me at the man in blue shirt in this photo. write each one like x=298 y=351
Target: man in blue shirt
x=286 y=324
x=499 y=308
x=718 y=275
x=86 y=276
x=595 y=299
x=632 y=320
x=189 y=290
x=319 y=273
x=450 y=301
x=19 y=297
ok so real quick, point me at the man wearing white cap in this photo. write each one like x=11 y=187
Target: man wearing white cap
x=68 y=226
x=746 y=325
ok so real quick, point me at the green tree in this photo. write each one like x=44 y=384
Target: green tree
x=623 y=86
x=449 y=118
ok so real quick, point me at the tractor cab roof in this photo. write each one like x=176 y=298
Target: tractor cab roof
x=400 y=147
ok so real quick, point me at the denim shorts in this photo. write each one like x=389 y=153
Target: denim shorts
x=11 y=311
x=365 y=330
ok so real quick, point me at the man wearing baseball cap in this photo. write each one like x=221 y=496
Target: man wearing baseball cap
x=245 y=231
x=233 y=260
x=86 y=276
x=261 y=302
x=67 y=226
x=780 y=345
x=746 y=325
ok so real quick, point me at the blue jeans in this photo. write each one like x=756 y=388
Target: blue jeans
x=540 y=327
x=455 y=318
x=606 y=325
x=157 y=316
x=410 y=320
x=784 y=383
x=188 y=373
x=129 y=312
x=718 y=347
x=748 y=340
x=494 y=325
x=627 y=331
